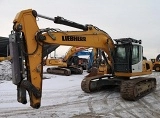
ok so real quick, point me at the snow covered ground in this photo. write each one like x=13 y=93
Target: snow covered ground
x=5 y=70
x=62 y=97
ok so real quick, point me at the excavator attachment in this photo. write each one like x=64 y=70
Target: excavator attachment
x=19 y=73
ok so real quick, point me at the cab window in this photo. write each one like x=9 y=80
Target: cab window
x=136 y=54
x=121 y=53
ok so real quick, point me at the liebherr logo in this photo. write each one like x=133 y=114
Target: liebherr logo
x=73 y=38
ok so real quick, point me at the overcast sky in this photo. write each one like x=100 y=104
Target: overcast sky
x=139 y=19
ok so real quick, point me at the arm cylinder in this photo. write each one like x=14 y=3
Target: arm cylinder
x=61 y=20
x=45 y=17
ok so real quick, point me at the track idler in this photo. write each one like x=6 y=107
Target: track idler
x=86 y=85
x=95 y=82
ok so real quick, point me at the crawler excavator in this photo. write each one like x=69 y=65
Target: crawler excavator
x=156 y=63
x=68 y=65
x=125 y=54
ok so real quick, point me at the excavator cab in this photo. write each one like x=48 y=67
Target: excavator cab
x=128 y=55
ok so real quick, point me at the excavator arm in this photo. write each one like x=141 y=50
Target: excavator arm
x=26 y=42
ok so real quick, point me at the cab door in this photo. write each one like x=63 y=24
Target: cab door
x=137 y=58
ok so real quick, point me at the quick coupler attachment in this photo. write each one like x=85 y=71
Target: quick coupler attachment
x=30 y=88
x=21 y=95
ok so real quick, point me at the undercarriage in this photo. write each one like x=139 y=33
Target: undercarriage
x=130 y=89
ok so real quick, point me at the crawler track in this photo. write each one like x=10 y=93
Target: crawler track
x=59 y=71
x=67 y=71
x=137 y=88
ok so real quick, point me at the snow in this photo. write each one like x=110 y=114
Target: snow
x=5 y=70
x=62 y=97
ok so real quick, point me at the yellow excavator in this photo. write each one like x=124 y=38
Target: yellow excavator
x=125 y=55
x=156 y=63
x=66 y=66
